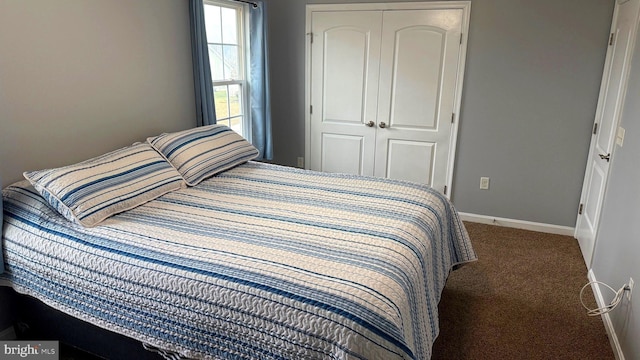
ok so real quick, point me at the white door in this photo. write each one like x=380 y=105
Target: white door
x=418 y=73
x=612 y=93
x=383 y=85
x=344 y=73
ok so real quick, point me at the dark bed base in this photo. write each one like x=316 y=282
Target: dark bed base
x=37 y=321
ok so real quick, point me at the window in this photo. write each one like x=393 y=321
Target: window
x=225 y=37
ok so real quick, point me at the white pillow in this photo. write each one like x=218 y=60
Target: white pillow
x=93 y=190
x=204 y=151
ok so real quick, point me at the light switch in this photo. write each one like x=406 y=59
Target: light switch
x=620 y=136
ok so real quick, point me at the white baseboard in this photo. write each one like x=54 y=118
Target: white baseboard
x=8 y=334
x=518 y=224
x=606 y=319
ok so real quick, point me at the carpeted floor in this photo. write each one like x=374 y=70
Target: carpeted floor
x=520 y=300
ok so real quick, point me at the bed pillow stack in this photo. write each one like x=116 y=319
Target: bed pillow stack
x=93 y=190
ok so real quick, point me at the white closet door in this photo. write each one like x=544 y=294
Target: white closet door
x=344 y=85
x=418 y=76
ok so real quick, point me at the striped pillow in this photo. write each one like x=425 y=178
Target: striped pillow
x=203 y=151
x=91 y=191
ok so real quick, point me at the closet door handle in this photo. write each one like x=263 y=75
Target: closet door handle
x=382 y=125
x=370 y=124
x=605 y=157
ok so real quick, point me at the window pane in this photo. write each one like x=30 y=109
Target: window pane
x=235 y=100
x=229 y=26
x=221 y=101
x=226 y=45
x=223 y=122
x=213 y=23
x=231 y=65
x=236 y=124
x=215 y=60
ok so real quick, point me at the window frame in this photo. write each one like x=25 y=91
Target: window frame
x=243 y=61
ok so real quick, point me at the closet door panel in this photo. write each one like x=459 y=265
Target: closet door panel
x=345 y=62
x=344 y=86
x=419 y=60
x=406 y=160
x=416 y=77
x=335 y=161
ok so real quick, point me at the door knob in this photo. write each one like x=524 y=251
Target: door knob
x=605 y=157
x=370 y=124
x=382 y=125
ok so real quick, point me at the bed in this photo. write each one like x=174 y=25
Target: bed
x=257 y=261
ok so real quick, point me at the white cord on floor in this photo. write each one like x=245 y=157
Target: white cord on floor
x=612 y=305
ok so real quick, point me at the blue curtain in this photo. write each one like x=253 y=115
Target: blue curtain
x=205 y=110
x=259 y=82
x=1 y=231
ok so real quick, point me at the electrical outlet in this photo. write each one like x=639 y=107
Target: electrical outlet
x=630 y=289
x=484 y=183
x=301 y=162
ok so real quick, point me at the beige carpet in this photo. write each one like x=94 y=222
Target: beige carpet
x=520 y=300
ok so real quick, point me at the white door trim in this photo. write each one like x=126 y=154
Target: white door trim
x=465 y=6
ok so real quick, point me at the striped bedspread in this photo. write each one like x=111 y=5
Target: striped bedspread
x=259 y=262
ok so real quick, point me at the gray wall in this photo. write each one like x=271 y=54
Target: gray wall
x=79 y=78
x=530 y=92
x=615 y=258
x=82 y=77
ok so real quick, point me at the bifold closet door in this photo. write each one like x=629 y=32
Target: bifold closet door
x=383 y=92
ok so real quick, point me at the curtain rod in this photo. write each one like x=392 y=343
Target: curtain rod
x=255 y=5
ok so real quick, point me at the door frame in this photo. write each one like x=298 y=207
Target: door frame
x=465 y=6
x=599 y=108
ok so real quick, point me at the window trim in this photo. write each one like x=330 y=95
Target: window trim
x=243 y=61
